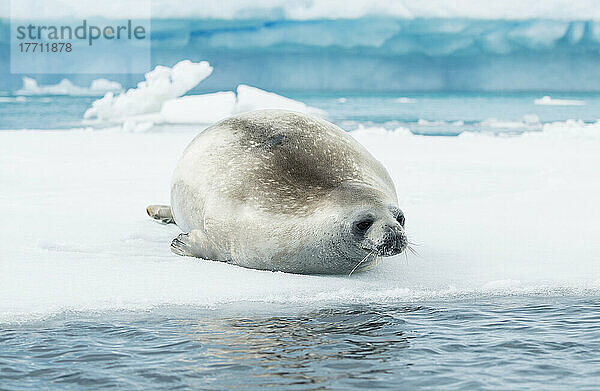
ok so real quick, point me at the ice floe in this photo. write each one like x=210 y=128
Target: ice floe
x=548 y=101
x=491 y=216
x=66 y=87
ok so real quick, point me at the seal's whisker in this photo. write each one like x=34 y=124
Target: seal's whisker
x=360 y=263
x=413 y=251
x=377 y=261
x=410 y=241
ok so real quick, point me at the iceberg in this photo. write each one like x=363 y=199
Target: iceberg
x=211 y=108
x=66 y=87
x=410 y=54
x=159 y=100
x=199 y=109
x=252 y=98
x=161 y=84
x=345 y=9
x=508 y=52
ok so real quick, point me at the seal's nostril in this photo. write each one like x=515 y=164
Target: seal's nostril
x=400 y=219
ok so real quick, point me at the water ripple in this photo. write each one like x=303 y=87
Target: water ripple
x=512 y=343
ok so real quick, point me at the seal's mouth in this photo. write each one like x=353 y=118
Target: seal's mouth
x=390 y=251
x=388 y=246
x=393 y=243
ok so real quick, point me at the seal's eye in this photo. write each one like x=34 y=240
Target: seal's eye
x=364 y=225
x=401 y=219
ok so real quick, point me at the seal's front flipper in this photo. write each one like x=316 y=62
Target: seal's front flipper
x=183 y=245
x=194 y=244
x=161 y=214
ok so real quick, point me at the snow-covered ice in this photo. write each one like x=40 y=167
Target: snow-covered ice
x=491 y=216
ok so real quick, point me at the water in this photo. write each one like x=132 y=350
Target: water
x=477 y=343
x=42 y=112
x=422 y=113
x=530 y=337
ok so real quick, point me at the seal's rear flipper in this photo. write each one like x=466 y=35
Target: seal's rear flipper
x=161 y=214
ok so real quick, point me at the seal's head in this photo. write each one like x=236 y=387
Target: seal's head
x=378 y=229
x=369 y=225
